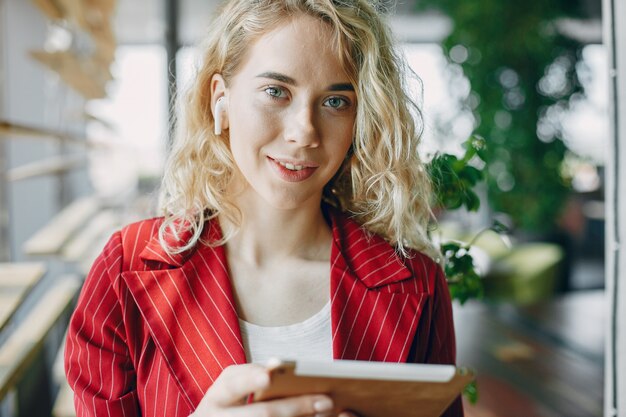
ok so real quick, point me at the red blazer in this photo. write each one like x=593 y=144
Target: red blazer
x=151 y=332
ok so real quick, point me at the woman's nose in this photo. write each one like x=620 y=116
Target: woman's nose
x=302 y=127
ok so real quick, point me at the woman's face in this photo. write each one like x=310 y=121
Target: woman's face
x=290 y=114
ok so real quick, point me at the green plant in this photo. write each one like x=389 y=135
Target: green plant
x=454 y=180
x=471 y=392
x=463 y=280
x=523 y=75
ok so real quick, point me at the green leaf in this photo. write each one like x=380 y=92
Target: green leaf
x=471 y=392
x=450 y=247
x=500 y=228
x=472 y=202
x=454 y=178
x=471 y=174
x=464 y=282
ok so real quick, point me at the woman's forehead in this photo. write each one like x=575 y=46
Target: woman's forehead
x=302 y=44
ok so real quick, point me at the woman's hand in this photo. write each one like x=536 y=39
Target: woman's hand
x=228 y=394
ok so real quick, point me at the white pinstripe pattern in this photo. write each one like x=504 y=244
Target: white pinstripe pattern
x=93 y=325
x=395 y=329
x=385 y=279
x=380 y=330
x=358 y=310
x=345 y=308
x=373 y=296
x=367 y=326
x=223 y=269
x=136 y=241
x=156 y=387
x=223 y=344
x=406 y=343
x=167 y=394
x=185 y=334
x=147 y=387
x=82 y=394
x=166 y=326
x=333 y=298
x=71 y=354
x=233 y=332
x=195 y=326
x=113 y=366
x=365 y=250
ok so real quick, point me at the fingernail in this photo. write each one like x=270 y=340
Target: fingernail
x=323 y=404
x=273 y=363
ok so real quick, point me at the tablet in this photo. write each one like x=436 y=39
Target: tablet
x=371 y=389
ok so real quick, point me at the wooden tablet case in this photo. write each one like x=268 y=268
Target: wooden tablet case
x=368 y=397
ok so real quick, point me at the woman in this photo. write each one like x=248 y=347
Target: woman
x=295 y=207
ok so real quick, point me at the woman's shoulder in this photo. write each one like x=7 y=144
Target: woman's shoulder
x=425 y=266
x=350 y=229
x=141 y=231
x=129 y=243
x=142 y=243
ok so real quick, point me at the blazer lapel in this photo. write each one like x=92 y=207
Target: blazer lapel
x=190 y=313
x=374 y=315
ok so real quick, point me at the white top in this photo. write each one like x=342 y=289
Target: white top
x=310 y=339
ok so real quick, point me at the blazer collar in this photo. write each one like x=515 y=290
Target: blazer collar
x=374 y=315
x=153 y=251
x=188 y=304
x=372 y=259
x=369 y=257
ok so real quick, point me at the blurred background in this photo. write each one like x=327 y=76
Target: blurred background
x=86 y=87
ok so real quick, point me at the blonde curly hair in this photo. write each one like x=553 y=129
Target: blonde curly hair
x=382 y=184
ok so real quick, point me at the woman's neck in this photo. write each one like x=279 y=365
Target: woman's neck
x=269 y=234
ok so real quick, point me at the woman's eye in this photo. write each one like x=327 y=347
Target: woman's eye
x=275 y=92
x=336 y=102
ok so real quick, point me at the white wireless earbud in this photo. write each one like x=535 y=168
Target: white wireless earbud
x=217 y=115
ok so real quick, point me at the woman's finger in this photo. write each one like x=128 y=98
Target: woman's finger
x=235 y=383
x=300 y=406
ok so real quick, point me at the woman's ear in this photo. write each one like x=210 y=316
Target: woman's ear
x=219 y=103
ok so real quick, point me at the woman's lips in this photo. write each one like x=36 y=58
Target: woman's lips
x=292 y=171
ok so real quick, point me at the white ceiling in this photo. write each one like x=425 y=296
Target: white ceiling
x=144 y=21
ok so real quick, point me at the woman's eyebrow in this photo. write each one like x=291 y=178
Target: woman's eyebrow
x=288 y=80
x=341 y=87
x=278 y=77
